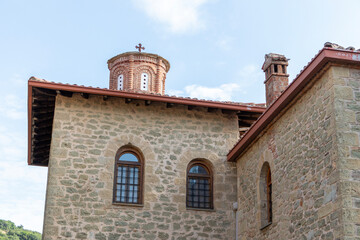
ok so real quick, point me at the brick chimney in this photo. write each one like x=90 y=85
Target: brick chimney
x=276 y=77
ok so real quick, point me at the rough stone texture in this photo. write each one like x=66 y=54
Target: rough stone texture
x=347 y=115
x=314 y=154
x=86 y=135
x=276 y=78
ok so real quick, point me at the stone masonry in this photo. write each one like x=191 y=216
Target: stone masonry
x=86 y=135
x=314 y=155
x=347 y=115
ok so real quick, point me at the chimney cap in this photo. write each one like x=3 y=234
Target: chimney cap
x=271 y=58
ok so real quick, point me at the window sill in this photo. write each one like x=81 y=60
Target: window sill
x=201 y=209
x=265 y=226
x=128 y=204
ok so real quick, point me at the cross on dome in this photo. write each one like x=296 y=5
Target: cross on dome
x=140 y=47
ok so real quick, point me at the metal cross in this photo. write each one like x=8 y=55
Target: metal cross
x=140 y=47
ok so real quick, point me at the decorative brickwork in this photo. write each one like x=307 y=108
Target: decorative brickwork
x=276 y=77
x=152 y=77
x=87 y=134
x=132 y=65
x=312 y=149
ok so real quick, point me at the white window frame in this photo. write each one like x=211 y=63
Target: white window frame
x=121 y=82
x=144 y=81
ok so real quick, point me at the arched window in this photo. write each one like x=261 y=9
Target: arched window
x=199 y=186
x=128 y=176
x=265 y=195
x=144 y=81
x=121 y=82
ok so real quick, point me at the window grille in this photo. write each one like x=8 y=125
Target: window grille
x=199 y=186
x=144 y=81
x=128 y=177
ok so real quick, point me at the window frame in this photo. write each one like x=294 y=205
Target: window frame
x=210 y=176
x=122 y=82
x=139 y=164
x=266 y=190
x=269 y=195
x=144 y=81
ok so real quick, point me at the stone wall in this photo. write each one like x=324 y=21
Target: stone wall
x=301 y=148
x=86 y=135
x=347 y=106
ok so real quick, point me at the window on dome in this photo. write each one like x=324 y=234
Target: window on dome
x=144 y=81
x=121 y=82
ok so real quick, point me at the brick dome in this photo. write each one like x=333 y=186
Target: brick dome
x=138 y=71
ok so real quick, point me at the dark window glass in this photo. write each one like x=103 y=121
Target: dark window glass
x=199 y=186
x=275 y=68
x=266 y=210
x=128 y=182
x=198 y=169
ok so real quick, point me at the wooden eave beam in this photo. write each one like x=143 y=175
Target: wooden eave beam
x=64 y=93
x=84 y=95
x=245 y=124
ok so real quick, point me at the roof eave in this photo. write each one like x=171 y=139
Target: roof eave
x=143 y=96
x=37 y=83
x=325 y=56
x=29 y=123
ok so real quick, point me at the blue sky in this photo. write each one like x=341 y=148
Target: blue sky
x=215 y=47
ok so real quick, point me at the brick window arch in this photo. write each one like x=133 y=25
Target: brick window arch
x=139 y=78
x=265 y=195
x=128 y=178
x=199 y=185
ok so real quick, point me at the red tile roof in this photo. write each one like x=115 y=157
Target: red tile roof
x=331 y=53
x=38 y=82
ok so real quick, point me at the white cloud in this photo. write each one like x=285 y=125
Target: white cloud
x=22 y=191
x=178 y=16
x=12 y=107
x=12 y=100
x=245 y=86
x=225 y=43
x=175 y=92
x=222 y=93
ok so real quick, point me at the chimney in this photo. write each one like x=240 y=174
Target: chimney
x=276 y=77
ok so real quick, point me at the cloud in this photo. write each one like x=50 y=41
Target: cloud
x=175 y=92
x=225 y=43
x=179 y=16
x=222 y=93
x=12 y=107
x=22 y=192
x=12 y=100
x=245 y=84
